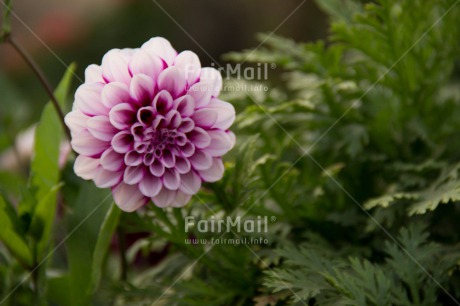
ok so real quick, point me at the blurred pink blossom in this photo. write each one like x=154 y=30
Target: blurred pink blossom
x=21 y=153
x=147 y=123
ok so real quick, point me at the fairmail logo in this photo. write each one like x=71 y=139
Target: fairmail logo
x=229 y=224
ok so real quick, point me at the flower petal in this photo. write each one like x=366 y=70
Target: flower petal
x=189 y=63
x=132 y=158
x=205 y=117
x=220 y=144
x=159 y=122
x=201 y=160
x=182 y=165
x=199 y=137
x=150 y=185
x=187 y=125
x=86 y=167
x=157 y=168
x=133 y=175
x=145 y=116
x=174 y=119
x=187 y=149
x=86 y=144
x=142 y=89
x=172 y=80
x=225 y=113
x=105 y=178
x=201 y=93
x=213 y=79
x=122 y=116
x=127 y=53
x=181 y=139
x=76 y=121
x=146 y=62
x=215 y=173
x=115 y=67
x=190 y=182
x=128 y=197
x=115 y=93
x=93 y=74
x=148 y=159
x=185 y=105
x=122 y=142
x=164 y=198
x=111 y=160
x=163 y=102
x=232 y=137
x=101 y=128
x=162 y=48
x=171 y=179
x=88 y=99
x=181 y=199
x=168 y=159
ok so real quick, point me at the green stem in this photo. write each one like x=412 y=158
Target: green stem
x=6 y=25
x=35 y=282
x=41 y=77
x=36 y=275
x=179 y=218
x=123 y=260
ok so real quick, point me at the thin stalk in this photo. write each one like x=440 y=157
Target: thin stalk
x=6 y=24
x=35 y=282
x=41 y=77
x=123 y=260
x=36 y=275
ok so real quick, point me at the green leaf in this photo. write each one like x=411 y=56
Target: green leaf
x=340 y=9
x=88 y=215
x=10 y=183
x=445 y=189
x=11 y=236
x=389 y=199
x=45 y=163
x=58 y=288
x=44 y=175
x=42 y=221
x=102 y=244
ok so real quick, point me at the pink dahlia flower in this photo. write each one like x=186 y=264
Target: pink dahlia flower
x=147 y=123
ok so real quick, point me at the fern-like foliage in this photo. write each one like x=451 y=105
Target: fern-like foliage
x=445 y=189
x=412 y=271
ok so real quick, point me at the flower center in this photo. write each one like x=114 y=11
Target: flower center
x=148 y=140
x=156 y=140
